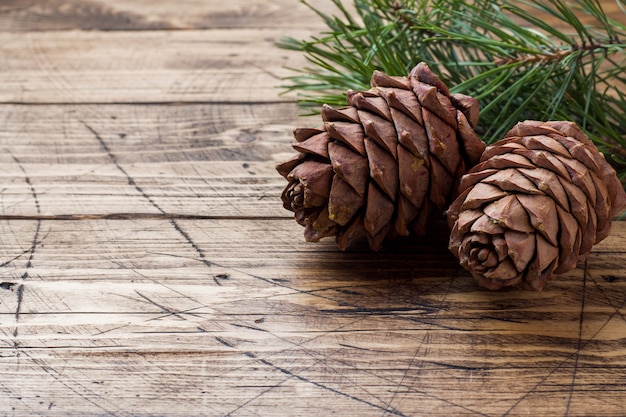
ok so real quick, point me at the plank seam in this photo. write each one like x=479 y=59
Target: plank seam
x=140 y=190
x=147 y=103
x=135 y=216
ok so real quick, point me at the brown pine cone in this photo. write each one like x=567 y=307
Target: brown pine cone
x=387 y=164
x=534 y=206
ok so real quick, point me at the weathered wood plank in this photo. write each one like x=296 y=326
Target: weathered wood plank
x=30 y=15
x=234 y=314
x=109 y=305
x=239 y=65
x=203 y=160
x=218 y=65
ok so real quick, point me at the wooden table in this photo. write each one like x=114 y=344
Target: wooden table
x=149 y=269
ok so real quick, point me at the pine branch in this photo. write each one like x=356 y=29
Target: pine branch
x=504 y=53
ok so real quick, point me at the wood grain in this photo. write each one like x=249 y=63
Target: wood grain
x=203 y=160
x=219 y=66
x=136 y=304
x=110 y=15
x=147 y=267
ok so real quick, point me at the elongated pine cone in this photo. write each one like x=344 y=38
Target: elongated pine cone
x=385 y=165
x=534 y=206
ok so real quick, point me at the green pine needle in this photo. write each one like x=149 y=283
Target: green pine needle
x=502 y=52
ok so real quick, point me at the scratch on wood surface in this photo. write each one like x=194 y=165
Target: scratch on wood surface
x=16 y=257
x=167 y=310
x=140 y=190
x=617 y=309
x=20 y=297
x=580 y=341
x=386 y=408
x=389 y=409
x=575 y=356
x=35 y=240
x=31 y=251
x=291 y=374
x=177 y=313
x=314 y=355
x=244 y=326
x=80 y=390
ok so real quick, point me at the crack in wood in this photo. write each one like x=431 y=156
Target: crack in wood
x=291 y=374
x=33 y=247
x=140 y=190
x=20 y=297
x=580 y=346
x=437 y=310
x=7 y=285
x=135 y=216
x=580 y=340
x=165 y=309
x=88 y=395
x=324 y=359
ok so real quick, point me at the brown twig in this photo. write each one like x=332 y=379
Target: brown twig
x=554 y=56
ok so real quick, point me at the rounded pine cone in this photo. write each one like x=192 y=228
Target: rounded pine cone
x=534 y=206
x=385 y=165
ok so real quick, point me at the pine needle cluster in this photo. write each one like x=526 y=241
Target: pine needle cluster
x=509 y=54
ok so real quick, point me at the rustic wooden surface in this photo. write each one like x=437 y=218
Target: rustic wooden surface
x=148 y=268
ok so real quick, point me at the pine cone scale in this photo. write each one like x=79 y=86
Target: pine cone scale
x=319 y=226
x=373 y=103
x=603 y=204
x=380 y=79
x=569 y=242
x=348 y=133
x=383 y=169
x=411 y=134
x=381 y=131
x=470 y=110
x=471 y=143
x=509 y=212
x=316 y=145
x=485 y=224
x=378 y=212
x=350 y=166
x=437 y=104
x=403 y=101
x=577 y=203
x=413 y=177
x=344 y=202
x=548 y=183
x=303 y=133
x=422 y=73
x=440 y=180
x=521 y=248
x=543 y=216
x=407 y=211
x=480 y=194
x=443 y=143
x=316 y=178
x=510 y=179
x=345 y=114
x=286 y=167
